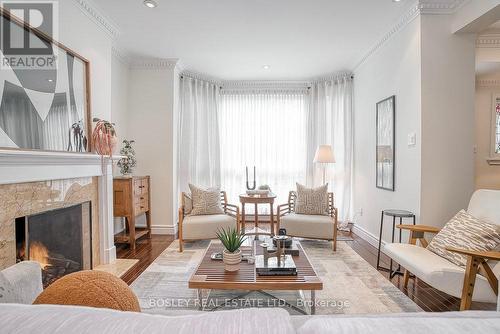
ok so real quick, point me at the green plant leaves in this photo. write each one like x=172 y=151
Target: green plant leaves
x=231 y=239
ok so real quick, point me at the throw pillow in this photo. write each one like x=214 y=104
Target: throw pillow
x=7 y=292
x=311 y=201
x=466 y=232
x=205 y=202
x=188 y=203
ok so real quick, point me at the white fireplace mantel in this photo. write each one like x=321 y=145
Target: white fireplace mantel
x=20 y=166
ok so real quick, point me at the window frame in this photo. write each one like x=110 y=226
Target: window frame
x=493 y=127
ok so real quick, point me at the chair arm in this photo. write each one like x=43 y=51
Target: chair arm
x=283 y=209
x=232 y=210
x=491 y=255
x=419 y=228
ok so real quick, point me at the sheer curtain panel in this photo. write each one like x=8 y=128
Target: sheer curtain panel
x=329 y=122
x=264 y=128
x=199 y=146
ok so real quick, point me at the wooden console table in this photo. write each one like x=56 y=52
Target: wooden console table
x=132 y=197
x=256 y=200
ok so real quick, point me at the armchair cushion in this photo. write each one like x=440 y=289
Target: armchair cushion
x=205 y=202
x=311 y=201
x=466 y=232
x=206 y=226
x=308 y=226
x=437 y=271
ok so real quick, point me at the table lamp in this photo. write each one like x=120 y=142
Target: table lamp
x=324 y=155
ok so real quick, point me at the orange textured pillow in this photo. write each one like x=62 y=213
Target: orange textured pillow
x=90 y=288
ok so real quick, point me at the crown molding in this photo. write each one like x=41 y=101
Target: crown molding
x=89 y=9
x=440 y=7
x=488 y=41
x=121 y=55
x=154 y=64
x=420 y=7
x=487 y=82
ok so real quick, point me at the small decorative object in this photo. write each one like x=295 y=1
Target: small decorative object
x=254 y=184
x=275 y=262
x=385 y=143
x=217 y=256
x=77 y=141
x=126 y=164
x=104 y=137
x=232 y=241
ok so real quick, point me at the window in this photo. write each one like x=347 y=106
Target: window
x=265 y=129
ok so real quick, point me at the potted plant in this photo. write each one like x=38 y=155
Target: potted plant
x=232 y=241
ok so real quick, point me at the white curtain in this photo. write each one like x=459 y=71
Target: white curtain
x=265 y=129
x=198 y=146
x=330 y=122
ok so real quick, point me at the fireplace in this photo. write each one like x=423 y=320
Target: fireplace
x=60 y=240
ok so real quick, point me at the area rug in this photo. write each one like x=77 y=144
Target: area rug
x=350 y=285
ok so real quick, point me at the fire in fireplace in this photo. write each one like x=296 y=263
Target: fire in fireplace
x=60 y=240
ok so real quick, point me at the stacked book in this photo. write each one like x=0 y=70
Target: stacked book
x=271 y=268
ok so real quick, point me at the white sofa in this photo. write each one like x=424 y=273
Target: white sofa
x=441 y=273
x=56 y=319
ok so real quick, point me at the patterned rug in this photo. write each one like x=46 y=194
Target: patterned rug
x=350 y=285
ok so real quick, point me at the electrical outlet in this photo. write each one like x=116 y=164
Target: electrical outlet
x=360 y=211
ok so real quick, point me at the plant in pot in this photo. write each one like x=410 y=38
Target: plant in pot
x=232 y=241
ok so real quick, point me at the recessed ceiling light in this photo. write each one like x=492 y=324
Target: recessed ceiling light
x=50 y=80
x=396 y=0
x=266 y=67
x=150 y=3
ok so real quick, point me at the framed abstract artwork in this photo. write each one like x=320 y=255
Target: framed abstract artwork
x=44 y=91
x=386 y=110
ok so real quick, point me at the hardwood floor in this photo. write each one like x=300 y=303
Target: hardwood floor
x=146 y=251
x=428 y=298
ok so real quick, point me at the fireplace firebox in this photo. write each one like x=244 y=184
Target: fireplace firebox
x=60 y=240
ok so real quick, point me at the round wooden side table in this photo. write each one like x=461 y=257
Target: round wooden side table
x=256 y=200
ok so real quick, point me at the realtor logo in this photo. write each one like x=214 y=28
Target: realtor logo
x=21 y=47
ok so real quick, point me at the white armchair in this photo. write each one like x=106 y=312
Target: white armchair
x=205 y=226
x=446 y=276
x=322 y=227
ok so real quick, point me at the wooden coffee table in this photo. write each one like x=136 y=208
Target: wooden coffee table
x=210 y=275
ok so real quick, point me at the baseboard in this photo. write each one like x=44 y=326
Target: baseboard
x=367 y=236
x=163 y=229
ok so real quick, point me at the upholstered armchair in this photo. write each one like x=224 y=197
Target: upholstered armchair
x=323 y=227
x=440 y=273
x=203 y=227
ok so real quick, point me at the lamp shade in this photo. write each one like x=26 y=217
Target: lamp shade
x=324 y=154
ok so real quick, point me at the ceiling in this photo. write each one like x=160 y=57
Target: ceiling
x=234 y=39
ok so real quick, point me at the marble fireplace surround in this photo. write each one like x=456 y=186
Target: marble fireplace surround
x=36 y=181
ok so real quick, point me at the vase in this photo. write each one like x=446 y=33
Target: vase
x=231 y=260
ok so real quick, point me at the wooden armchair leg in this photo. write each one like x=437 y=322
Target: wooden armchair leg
x=469 y=281
x=335 y=232
x=406 y=278
x=181 y=248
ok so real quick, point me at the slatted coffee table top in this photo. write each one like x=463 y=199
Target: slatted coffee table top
x=210 y=274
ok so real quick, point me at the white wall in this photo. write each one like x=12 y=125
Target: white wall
x=78 y=32
x=431 y=72
x=487 y=176
x=151 y=125
x=448 y=77
x=392 y=70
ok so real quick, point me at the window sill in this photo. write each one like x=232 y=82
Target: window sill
x=493 y=161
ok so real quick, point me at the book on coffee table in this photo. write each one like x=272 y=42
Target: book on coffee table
x=286 y=268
